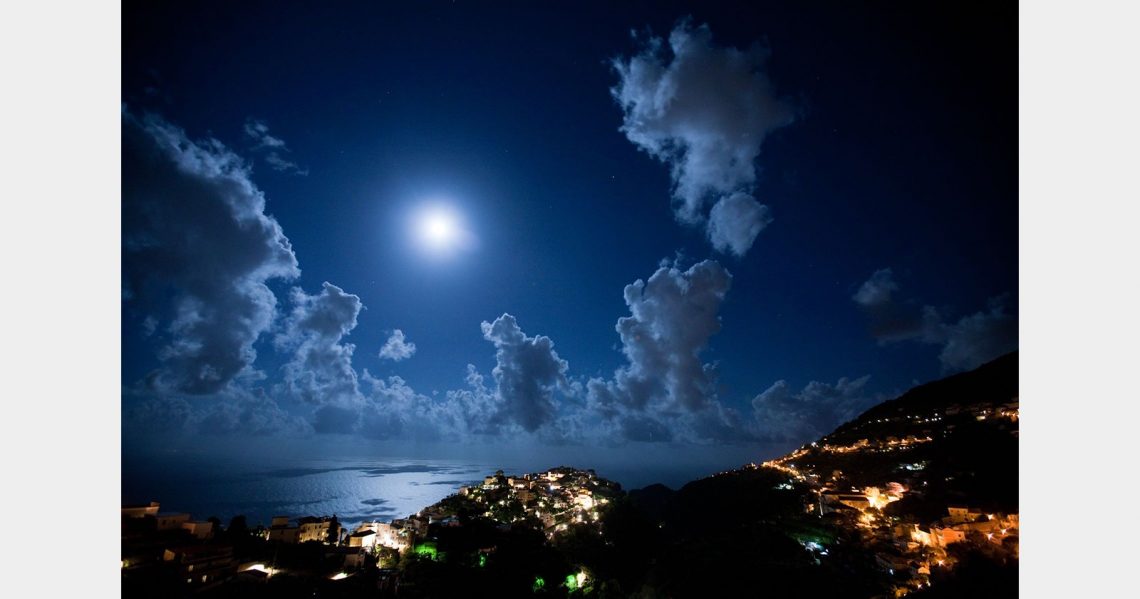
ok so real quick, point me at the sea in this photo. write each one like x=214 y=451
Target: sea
x=359 y=489
x=353 y=490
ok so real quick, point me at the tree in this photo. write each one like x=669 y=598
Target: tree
x=334 y=531
x=238 y=527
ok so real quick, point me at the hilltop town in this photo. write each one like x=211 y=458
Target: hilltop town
x=170 y=550
x=918 y=484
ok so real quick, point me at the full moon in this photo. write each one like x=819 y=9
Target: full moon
x=439 y=229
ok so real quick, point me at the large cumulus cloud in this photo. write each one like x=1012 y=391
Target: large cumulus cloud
x=527 y=372
x=966 y=343
x=672 y=317
x=320 y=371
x=705 y=111
x=198 y=250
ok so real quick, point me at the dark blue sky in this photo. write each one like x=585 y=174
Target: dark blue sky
x=900 y=154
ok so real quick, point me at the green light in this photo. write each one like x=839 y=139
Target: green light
x=426 y=550
x=576 y=581
x=482 y=561
x=539 y=583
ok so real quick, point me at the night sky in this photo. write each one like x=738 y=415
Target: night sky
x=724 y=227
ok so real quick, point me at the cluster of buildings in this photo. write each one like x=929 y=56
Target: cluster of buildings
x=557 y=498
x=398 y=535
x=172 y=540
x=303 y=530
x=875 y=498
x=907 y=550
x=912 y=552
x=172 y=547
x=888 y=444
x=957 y=526
x=170 y=521
x=191 y=551
x=1009 y=411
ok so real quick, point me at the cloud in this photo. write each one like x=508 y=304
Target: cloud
x=271 y=147
x=234 y=410
x=527 y=373
x=157 y=414
x=396 y=348
x=889 y=321
x=876 y=291
x=476 y=405
x=258 y=131
x=641 y=427
x=979 y=337
x=967 y=343
x=735 y=221
x=665 y=392
x=198 y=251
x=277 y=163
x=394 y=410
x=705 y=111
x=250 y=413
x=320 y=371
x=672 y=316
x=783 y=415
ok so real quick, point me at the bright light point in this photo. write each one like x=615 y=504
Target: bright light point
x=439 y=227
x=440 y=230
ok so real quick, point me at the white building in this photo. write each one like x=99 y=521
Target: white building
x=171 y=521
x=200 y=530
x=365 y=539
x=284 y=534
x=140 y=511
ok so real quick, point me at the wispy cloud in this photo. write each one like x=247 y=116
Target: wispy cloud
x=271 y=148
